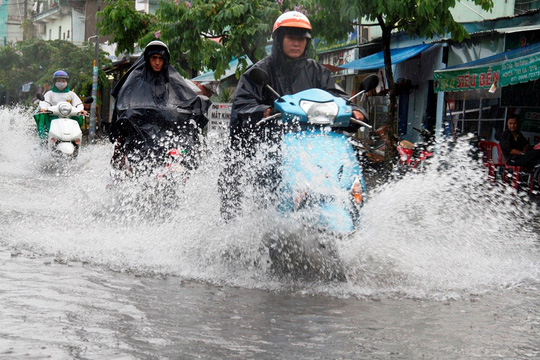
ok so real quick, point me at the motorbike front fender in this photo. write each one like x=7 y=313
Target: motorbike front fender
x=65 y=147
x=336 y=218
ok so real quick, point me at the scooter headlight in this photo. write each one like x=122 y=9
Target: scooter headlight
x=320 y=113
x=64 y=109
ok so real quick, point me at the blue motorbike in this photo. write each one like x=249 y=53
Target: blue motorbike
x=321 y=177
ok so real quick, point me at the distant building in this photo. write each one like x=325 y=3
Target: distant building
x=12 y=14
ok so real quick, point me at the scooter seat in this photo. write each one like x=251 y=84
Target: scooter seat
x=406 y=144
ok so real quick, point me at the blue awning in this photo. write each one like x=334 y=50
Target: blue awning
x=209 y=76
x=376 y=61
x=507 y=55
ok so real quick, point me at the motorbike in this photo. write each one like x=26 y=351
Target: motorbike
x=536 y=172
x=60 y=127
x=171 y=164
x=414 y=155
x=321 y=177
x=321 y=188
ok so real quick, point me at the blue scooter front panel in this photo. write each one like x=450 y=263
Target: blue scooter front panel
x=290 y=107
x=319 y=169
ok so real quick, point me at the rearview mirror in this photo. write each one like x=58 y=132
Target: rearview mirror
x=370 y=82
x=88 y=100
x=258 y=76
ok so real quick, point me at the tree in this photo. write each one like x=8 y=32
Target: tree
x=9 y=79
x=36 y=60
x=29 y=29
x=208 y=34
x=126 y=25
x=425 y=19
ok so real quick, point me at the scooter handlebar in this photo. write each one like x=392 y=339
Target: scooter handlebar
x=268 y=118
x=360 y=122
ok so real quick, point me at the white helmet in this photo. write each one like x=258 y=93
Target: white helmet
x=293 y=20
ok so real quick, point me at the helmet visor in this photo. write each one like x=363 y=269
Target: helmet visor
x=296 y=32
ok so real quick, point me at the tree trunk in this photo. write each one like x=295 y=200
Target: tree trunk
x=390 y=151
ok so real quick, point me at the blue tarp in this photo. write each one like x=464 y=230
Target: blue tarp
x=209 y=76
x=376 y=61
x=507 y=55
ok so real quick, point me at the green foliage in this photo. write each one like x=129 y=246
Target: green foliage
x=126 y=25
x=208 y=34
x=29 y=29
x=425 y=18
x=36 y=60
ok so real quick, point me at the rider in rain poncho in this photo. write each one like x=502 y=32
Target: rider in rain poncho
x=290 y=71
x=155 y=109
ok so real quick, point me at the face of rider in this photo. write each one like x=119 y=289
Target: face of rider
x=294 y=46
x=60 y=84
x=156 y=62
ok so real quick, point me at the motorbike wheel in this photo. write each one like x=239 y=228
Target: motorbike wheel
x=536 y=180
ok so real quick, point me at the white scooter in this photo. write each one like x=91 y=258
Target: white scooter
x=65 y=134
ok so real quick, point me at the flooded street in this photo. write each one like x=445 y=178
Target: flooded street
x=442 y=266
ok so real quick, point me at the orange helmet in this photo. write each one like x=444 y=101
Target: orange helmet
x=293 y=19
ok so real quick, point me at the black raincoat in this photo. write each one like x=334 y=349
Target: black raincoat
x=286 y=76
x=154 y=111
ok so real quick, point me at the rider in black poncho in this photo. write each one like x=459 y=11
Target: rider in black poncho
x=290 y=70
x=155 y=109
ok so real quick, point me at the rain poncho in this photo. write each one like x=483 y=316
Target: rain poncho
x=154 y=111
x=286 y=76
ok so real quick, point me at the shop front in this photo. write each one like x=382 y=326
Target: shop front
x=480 y=94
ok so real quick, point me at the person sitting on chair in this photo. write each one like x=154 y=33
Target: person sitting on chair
x=516 y=147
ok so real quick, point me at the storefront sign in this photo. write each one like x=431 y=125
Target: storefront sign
x=503 y=73
x=219 y=116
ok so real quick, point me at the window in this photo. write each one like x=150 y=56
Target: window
x=484 y=117
x=522 y=6
x=59 y=32
x=68 y=34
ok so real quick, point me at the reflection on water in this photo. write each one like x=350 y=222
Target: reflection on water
x=186 y=279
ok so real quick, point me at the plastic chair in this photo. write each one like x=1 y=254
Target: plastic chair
x=518 y=171
x=492 y=158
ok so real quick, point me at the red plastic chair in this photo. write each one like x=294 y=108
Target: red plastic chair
x=492 y=158
x=517 y=172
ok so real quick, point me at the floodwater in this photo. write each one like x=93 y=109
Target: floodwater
x=443 y=266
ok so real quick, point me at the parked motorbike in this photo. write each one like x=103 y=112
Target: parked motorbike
x=536 y=172
x=60 y=127
x=371 y=148
x=414 y=155
x=320 y=174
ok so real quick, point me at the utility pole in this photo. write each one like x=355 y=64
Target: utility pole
x=93 y=108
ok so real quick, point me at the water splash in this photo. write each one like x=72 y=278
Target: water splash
x=440 y=233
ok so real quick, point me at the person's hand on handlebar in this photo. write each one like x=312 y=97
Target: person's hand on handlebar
x=267 y=112
x=358 y=115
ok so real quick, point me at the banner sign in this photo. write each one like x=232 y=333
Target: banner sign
x=508 y=72
x=219 y=116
